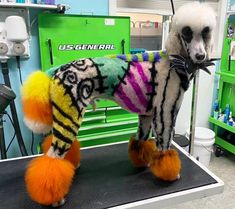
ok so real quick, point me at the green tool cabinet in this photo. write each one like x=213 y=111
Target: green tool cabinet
x=107 y=125
x=64 y=38
x=225 y=134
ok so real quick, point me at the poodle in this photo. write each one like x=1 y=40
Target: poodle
x=150 y=84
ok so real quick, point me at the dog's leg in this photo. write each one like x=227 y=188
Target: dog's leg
x=73 y=155
x=140 y=149
x=144 y=127
x=165 y=163
x=49 y=177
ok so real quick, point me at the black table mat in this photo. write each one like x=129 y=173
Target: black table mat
x=106 y=179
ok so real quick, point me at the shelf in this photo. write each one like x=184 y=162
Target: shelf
x=147 y=11
x=108 y=125
x=226 y=145
x=227 y=77
x=226 y=74
x=222 y=124
x=108 y=134
x=35 y=6
x=230 y=12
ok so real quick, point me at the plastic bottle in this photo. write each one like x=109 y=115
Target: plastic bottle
x=220 y=113
x=216 y=110
x=230 y=121
x=226 y=114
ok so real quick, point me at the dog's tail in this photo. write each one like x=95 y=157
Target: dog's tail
x=36 y=102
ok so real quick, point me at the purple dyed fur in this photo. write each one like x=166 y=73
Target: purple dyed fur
x=145 y=56
x=143 y=76
x=131 y=79
x=122 y=95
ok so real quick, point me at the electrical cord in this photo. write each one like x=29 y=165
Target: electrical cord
x=19 y=69
x=14 y=132
x=21 y=82
x=32 y=144
x=6 y=77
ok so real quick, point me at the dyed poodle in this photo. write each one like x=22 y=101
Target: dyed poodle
x=151 y=85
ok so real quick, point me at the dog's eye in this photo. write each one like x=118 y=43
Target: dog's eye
x=205 y=32
x=187 y=34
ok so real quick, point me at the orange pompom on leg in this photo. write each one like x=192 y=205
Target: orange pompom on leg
x=166 y=165
x=48 y=179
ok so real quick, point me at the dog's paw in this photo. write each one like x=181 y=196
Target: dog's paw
x=140 y=152
x=166 y=165
x=59 y=203
x=48 y=179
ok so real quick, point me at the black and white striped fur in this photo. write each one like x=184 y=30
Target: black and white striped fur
x=191 y=38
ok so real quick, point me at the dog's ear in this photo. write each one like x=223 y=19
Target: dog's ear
x=209 y=47
x=212 y=19
x=173 y=44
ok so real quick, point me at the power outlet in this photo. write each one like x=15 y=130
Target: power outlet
x=19 y=48
x=9 y=48
x=3 y=48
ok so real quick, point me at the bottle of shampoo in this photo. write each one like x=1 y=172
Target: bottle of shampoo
x=226 y=113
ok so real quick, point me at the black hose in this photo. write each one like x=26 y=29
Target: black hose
x=5 y=72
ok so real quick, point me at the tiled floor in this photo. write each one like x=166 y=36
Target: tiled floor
x=224 y=168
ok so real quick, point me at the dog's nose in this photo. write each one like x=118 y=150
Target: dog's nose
x=200 y=57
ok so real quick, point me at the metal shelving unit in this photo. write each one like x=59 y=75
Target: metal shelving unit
x=58 y=7
x=225 y=134
x=221 y=141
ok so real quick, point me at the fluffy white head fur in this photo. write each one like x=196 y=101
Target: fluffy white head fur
x=196 y=16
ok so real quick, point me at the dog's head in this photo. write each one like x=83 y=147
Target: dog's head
x=191 y=32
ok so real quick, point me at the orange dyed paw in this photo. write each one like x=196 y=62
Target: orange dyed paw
x=140 y=152
x=166 y=165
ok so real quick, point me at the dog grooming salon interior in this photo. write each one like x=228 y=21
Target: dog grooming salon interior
x=117 y=104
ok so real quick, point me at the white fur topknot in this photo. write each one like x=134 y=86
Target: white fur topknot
x=196 y=15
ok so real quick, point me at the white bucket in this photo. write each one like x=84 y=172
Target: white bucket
x=203 y=144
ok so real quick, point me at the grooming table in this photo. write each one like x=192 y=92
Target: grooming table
x=106 y=179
